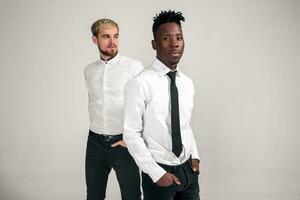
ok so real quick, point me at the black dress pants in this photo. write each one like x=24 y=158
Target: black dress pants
x=187 y=190
x=100 y=159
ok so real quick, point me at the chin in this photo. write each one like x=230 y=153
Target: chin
x=174 y=62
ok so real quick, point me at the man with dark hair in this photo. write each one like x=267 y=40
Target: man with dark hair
x=106 y=150
x=158 y=109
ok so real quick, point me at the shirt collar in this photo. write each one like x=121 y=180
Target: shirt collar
x=162 y=69
x=113 y=61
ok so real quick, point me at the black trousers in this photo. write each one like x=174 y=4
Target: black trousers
x=187 y=190
x=100 y=159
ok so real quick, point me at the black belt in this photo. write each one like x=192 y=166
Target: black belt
x=106 y=138
x=174 y=168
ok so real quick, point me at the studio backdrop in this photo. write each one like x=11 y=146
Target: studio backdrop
x=243 y=57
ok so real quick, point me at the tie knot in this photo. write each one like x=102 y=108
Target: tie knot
x=172 y=75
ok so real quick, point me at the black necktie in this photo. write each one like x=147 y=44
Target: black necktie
x=175 y=123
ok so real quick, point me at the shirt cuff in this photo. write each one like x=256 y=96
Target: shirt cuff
x=156 y=173
x=196 y=157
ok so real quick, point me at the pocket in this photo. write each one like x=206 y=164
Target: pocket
x=120 y=148
x=165 y=189
x=146 y=179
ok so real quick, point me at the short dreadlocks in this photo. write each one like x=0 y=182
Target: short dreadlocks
x=166 y=17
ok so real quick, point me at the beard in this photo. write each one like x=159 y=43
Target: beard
x=110 y=53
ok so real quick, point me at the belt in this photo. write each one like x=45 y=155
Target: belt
x=106 y=138
x=174 y=168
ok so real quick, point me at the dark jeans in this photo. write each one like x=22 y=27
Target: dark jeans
x=187 y=190
x=100 y=159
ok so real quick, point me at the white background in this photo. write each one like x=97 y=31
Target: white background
x=242 y=55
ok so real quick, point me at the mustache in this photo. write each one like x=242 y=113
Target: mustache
x=112 y=45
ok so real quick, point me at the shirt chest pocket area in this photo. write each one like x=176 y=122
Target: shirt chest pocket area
x=160 y=104
x=111 y=84
x=117 y=81
x=186 y=105
x=186 y=101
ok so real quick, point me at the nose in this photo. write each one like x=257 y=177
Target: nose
x=174 y=43
x=112 y=40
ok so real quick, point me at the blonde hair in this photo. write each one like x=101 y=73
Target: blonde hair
x=97 y=25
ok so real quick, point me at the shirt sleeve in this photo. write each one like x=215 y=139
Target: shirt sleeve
x=194 y=149
x=194 y=152
x=86 y=80
x=137 y=68
x=134 y=108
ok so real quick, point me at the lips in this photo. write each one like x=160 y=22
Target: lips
x=175 y=53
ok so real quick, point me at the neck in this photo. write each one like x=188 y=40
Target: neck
x=172 y=67
x=169 y=65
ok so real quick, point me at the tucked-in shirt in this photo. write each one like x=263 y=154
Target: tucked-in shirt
x=105 y=81
x=147 y=122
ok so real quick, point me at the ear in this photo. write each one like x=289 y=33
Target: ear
x=95 y=40
x=153 y=44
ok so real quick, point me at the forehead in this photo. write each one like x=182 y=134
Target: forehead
x=169 y=28
x=108 y=29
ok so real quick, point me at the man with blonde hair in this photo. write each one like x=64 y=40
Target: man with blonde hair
x=105 y=81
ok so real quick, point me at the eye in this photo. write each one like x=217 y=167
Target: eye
x=105 y=36
x=166 y=38
x=116 y=36
x=179 y=38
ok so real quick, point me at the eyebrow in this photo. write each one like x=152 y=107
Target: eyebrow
x=168 y=34
x=109 y=34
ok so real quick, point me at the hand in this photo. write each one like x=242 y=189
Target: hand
x=195 y=165
x=120 y=142
x=167 y=179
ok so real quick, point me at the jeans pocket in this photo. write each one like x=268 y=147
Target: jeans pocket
x=165 y=189
x=167 y=186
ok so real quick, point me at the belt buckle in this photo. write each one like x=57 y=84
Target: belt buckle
x=108 y=138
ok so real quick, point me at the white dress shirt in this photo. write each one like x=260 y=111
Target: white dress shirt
x=105 y=81
x=147 y=121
